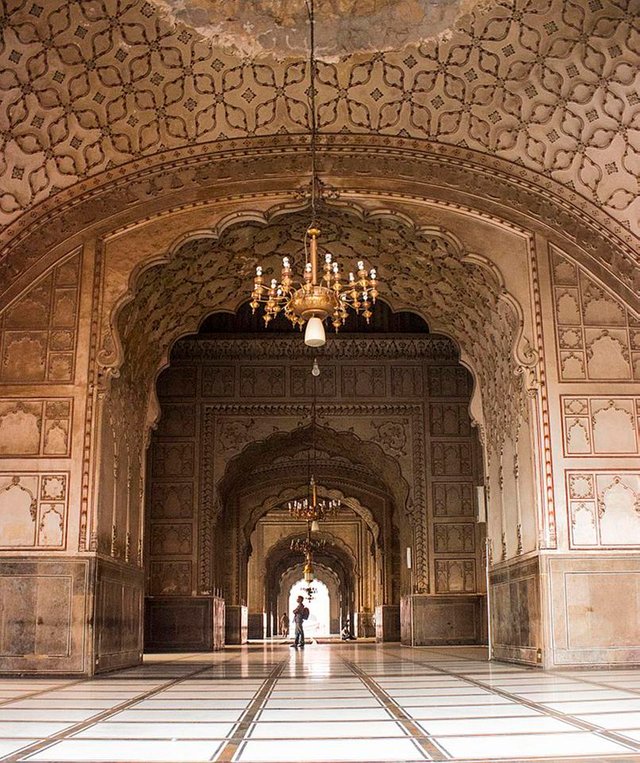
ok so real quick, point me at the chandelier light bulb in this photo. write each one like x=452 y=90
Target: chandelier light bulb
x=314 y=335
x=315 y=369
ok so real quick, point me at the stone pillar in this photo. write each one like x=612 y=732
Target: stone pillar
x=388 y=622
x=436 y=620
x=236 y=624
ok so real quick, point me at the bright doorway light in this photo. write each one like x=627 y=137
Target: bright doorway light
x=319 y=622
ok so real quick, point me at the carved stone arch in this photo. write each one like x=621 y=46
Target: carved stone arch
x=112 y=202
x=290 y=493
x=454 y=273
x=368 y=452
x=112 y=355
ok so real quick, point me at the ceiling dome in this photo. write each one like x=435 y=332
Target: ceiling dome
x=279 y=28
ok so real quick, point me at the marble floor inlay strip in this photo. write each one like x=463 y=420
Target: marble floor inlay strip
x=99 y=717
x=579 y=723
x=410 y=726
x=228 y=751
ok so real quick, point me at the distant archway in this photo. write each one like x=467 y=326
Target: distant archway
x=319 y=622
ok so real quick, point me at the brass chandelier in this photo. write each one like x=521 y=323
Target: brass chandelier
x=318 y=295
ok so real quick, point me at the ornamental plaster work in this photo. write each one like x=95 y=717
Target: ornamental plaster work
x=550 y=85
x=597 y=337
x=38 y=333
x=33 y=510
x=604 y=508
x=419 y=268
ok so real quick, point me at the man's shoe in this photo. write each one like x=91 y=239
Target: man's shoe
x=293 y=646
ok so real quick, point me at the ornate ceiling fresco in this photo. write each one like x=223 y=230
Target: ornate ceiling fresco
x=548 y=84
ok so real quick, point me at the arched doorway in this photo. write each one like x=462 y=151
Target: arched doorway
x=410 y=440
x=318 y=599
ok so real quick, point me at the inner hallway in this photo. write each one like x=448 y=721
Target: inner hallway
x=338 y=702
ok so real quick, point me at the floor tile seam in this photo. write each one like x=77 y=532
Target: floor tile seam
x=604 y=685
x=238 y=735
x=94 y=719
x=409 y=726
x=547 y=711
x=31 y=695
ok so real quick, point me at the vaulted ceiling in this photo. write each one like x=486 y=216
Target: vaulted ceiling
x=90 y=85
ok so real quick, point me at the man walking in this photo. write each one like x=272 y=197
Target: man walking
x=300 y=614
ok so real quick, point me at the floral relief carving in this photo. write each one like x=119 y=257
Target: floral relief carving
x=392 y=435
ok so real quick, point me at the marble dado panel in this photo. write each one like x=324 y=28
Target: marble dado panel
x=516 y=621
x=118 y=615
x=35 y=427
x=33 y=510
x=44 y=605
x=593 y=608
x=601 y=425
x=604 y=508
x=38 y=333
x=597 y=338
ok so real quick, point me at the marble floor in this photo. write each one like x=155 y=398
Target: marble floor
x=330 y=702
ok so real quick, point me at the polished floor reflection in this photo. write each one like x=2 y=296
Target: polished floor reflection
x=339 y=702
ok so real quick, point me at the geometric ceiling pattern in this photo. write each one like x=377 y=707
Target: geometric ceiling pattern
x=553 y=85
